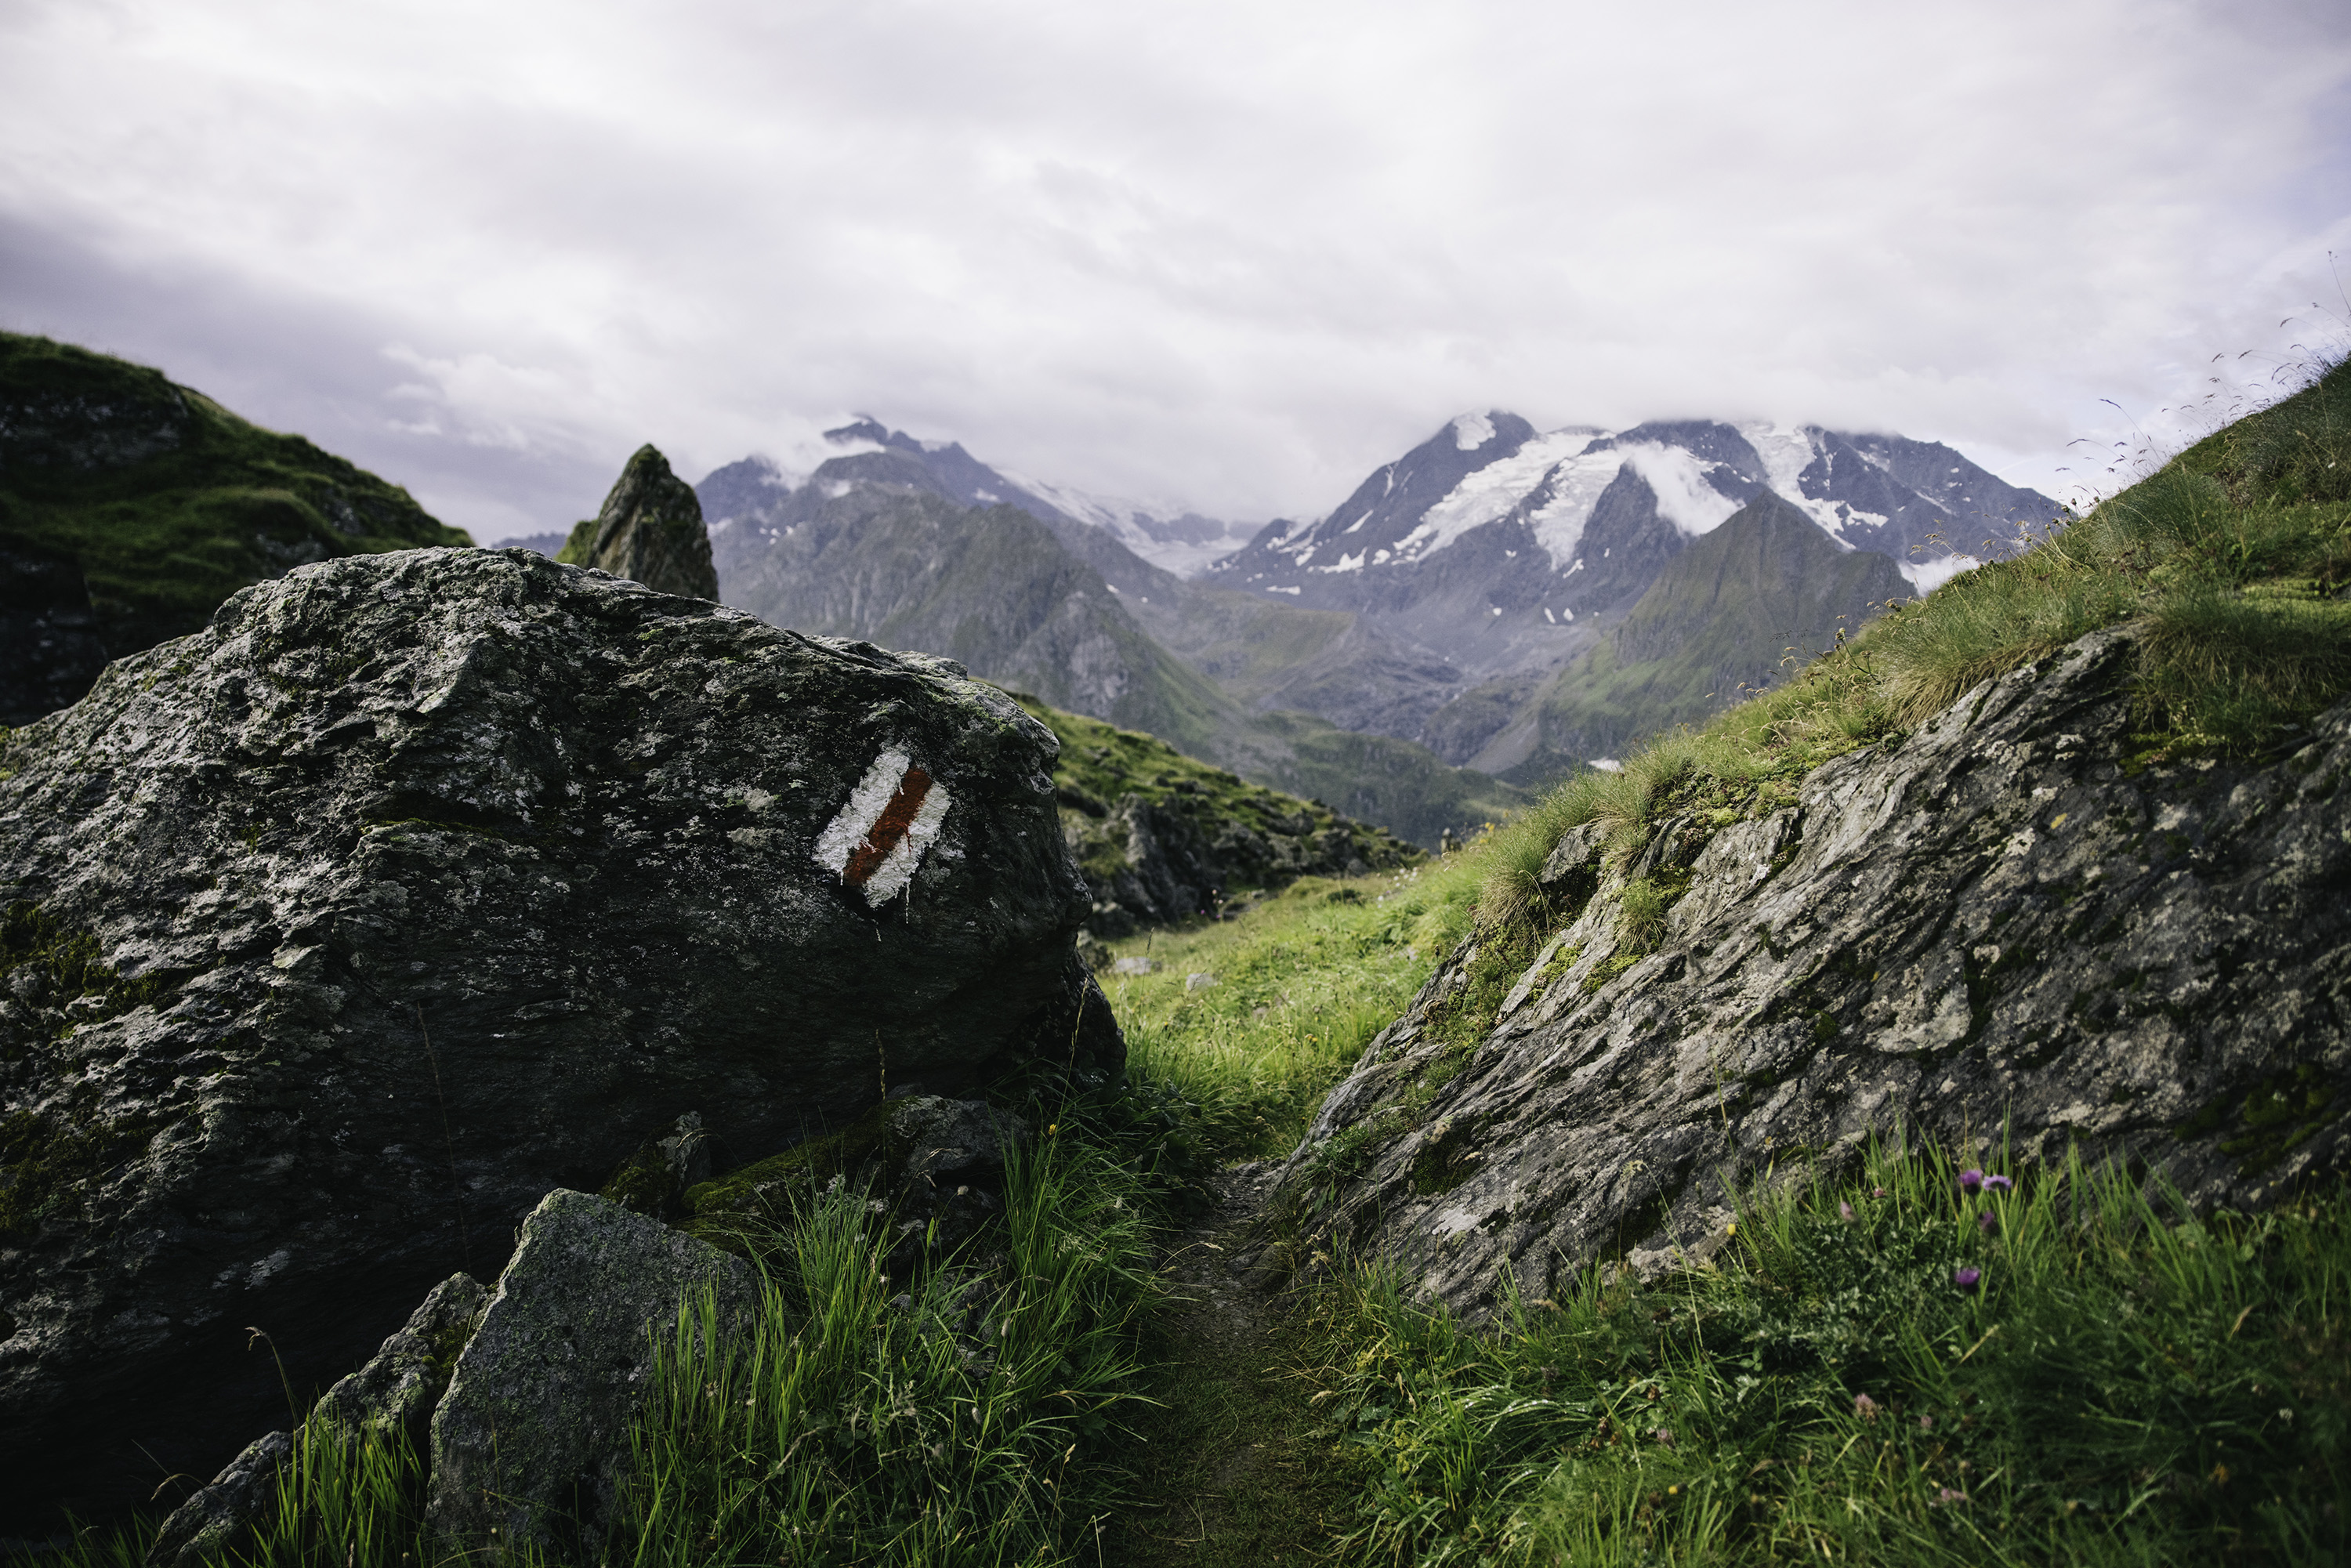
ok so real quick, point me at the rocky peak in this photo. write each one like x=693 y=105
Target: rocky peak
x=649 y=530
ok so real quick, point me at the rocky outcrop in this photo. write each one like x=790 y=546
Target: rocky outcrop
x=218 y=1520
x=1162 y=838
x=1990 y=933
x=334 y=936
x=392 y=1394
x=397 y=1389
x=649 y=530
x=530 y=1443
x=50 y=647
x=1156 y=863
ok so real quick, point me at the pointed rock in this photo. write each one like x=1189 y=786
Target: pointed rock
x=649 y=532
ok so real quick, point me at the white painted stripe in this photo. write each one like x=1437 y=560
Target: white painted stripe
x=898 y=869
x=866 y=803
x=849 y=828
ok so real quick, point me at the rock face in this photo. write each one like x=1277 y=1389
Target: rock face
x=649 y=530
x=1987 y=931
x=334 y=936
x=397 y=1389
x=216 y=1519
x=530 y=1442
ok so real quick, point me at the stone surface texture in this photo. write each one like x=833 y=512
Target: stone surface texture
x=420 y=883
x=649 y=530
x=530 y=1442
x=214 y=1521
x=399 y=1386
x=394 y=1393
x=1989 y=935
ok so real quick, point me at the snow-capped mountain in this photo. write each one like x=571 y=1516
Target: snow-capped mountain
x=1580 y=498
x=867 y=451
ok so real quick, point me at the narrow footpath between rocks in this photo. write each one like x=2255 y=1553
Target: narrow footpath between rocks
x=1225 y=1472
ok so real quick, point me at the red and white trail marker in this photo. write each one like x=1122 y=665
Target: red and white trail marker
x=877 y=840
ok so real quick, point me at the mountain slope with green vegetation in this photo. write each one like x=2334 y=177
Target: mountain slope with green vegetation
x=1764 y=591
x=1162 y=837
x=999 y=591
x=169 y=502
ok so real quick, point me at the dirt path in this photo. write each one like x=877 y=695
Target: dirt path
x=1225 y=1472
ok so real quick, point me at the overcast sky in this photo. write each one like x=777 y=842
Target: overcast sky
x=1221 y=254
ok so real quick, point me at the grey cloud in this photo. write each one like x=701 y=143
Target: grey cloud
x=1227 y=256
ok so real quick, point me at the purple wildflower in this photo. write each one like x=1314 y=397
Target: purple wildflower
x=1945 y=1496
x=1926 y=1423
x=1845 y=1210
x=1865 y=1407
x=1964 y=1279
x=1879 y=1192
x=1998 y=1184
x=1987 y=1220
x=1971 y=1179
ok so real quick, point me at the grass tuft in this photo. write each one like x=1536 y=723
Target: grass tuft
x=2115 y=1381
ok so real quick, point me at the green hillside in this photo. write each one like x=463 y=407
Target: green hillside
x=998 y=591
x=1762 y=593
x=169 y=502
x=1223 y=837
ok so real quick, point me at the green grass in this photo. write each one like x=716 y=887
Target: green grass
x=976 y=1416
x=164 y=531
x=967 y=1419
x=1301 y=983
x=2123 y=1384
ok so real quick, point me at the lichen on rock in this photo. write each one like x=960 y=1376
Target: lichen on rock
x=530 y=1443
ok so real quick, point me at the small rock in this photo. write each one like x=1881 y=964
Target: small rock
x=952 y=1137
x=530 y=1442
x=401 y=1384
x=215 y=1520
x=1198 y=982
x=1135 y=965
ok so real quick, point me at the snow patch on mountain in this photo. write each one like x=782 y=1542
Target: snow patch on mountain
x=1168 y=536
x=1687 y=496
x=1492 y=491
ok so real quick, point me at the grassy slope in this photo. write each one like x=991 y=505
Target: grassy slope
x=2119 y=1384
x=1260 y=837
x=165 y=536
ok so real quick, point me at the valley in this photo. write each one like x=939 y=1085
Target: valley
x=1895 y=1114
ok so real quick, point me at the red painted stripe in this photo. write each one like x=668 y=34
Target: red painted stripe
x=888 y=829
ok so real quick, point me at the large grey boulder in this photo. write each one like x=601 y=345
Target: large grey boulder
x=530 y=1445
x=1989 y=930
x=335 y=935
